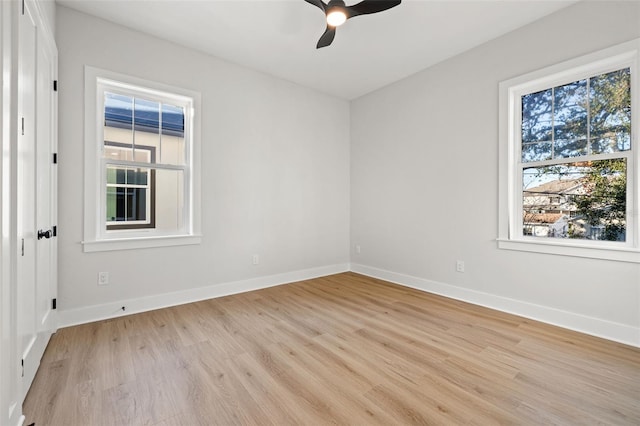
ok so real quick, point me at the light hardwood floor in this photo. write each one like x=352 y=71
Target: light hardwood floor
x=343 y=349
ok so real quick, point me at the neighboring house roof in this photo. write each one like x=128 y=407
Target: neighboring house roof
x=568 y=186
x=119 y=111
x=542 y=218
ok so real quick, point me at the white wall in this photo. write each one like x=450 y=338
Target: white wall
x=424 y=177
x=275 y=176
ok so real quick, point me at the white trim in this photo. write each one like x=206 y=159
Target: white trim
x=565 y=248
x=140 y=242
x=509 y=185
x=87 y=314
x=617 y=332
x=10 y=406
x=95 y=237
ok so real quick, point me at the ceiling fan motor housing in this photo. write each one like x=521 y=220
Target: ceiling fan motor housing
x=338 y=7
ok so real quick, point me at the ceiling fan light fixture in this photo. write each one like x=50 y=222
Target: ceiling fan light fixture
x=336 y=17
x=336 y=13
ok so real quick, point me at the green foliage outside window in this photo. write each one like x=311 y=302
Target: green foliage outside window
x=586 y=118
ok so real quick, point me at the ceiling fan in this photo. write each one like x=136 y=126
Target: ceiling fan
x=337 y=13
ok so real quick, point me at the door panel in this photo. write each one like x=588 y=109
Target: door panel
x=26 y=323
x=45 y=189
x=35 y=319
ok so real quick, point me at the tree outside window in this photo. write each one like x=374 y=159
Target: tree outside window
x=575 y=144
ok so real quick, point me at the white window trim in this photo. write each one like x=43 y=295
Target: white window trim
x=95 y=238
x=509 y=223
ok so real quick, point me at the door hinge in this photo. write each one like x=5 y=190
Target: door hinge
x=55 y=158
x=55 y=85
x=54 y=229
x=54 y=302
x=22 y=126
x=22 y=247
x=22 y=365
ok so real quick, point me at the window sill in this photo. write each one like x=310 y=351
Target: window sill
x=618 y=254
x=138 y=243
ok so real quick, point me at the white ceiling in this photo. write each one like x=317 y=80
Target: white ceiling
x=279 y=36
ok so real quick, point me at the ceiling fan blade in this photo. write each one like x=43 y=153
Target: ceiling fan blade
x=327 y=37
x=370 y=6
x=318 y=3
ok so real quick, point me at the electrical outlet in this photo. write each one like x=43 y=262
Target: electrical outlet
x=460 y=265
x=358 y=249
x=103 y=278
x=255 y=259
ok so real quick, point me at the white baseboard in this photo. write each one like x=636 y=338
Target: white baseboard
x=594 y=326
x=92 y=313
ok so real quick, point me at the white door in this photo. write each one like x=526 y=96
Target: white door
x=35 y=195
x=46 y=190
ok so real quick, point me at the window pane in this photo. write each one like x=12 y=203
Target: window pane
x=118 y=110
x=570 y=116
x=610 y=104
x=147 y=131
x=143 y=154
x=536 y=151
x=124 y=153
x=136 y=204
x=172 y=150
x=172 y=120
x=611 y=143
x=580 y=118
x=116 y=204
x=121 y=176
x=147 y=115
x=169 y=199
x=114 y=198
x=580 y=200
x=137 y=176
x=570 y=148
x=118 y=119
x=112 y=175
x=537 y=109
x=116 y=176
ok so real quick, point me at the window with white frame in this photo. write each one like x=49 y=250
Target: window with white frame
x=569 y=157
x=130 y=201
x=141 y=175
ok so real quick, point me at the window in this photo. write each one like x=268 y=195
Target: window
x=142 y=179
x=130 y=201
x=569 y=157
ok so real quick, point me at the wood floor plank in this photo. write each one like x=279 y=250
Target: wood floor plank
x=342 y=349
